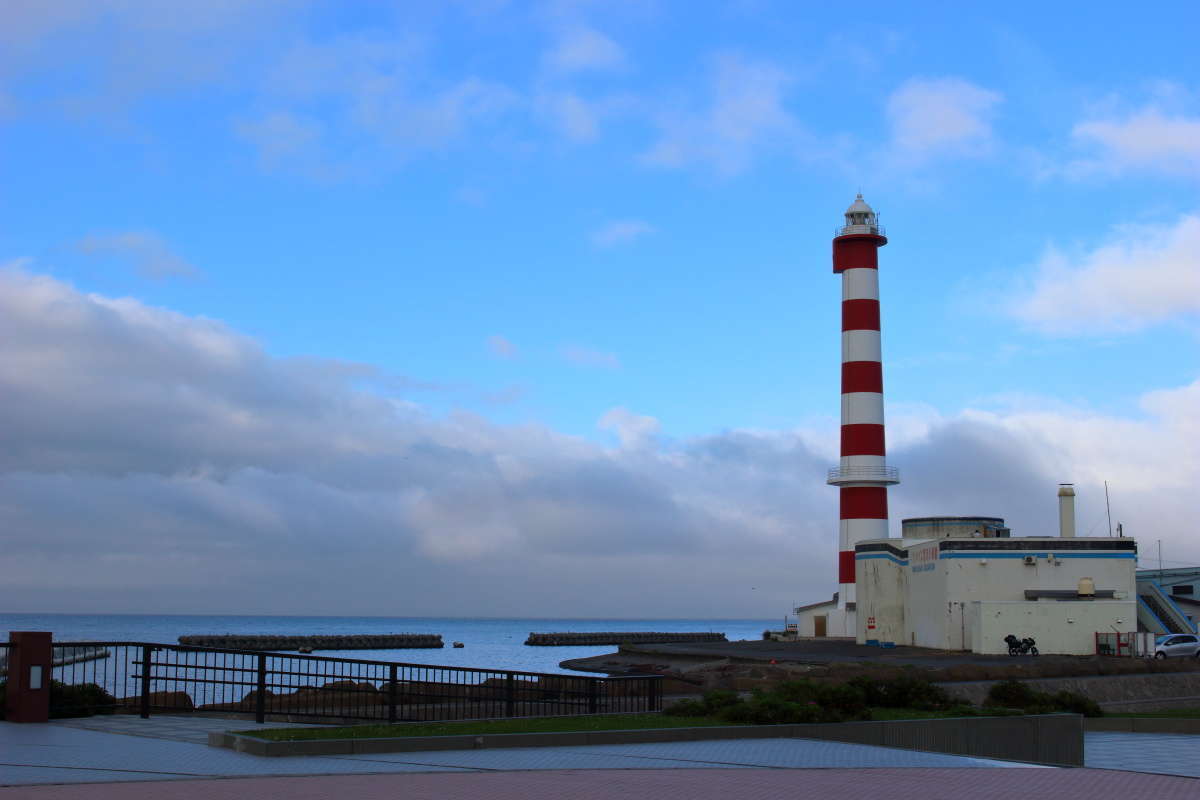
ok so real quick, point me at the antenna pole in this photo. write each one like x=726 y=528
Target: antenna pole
x=1107 y=508
x=1160 y=559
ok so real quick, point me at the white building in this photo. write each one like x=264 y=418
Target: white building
x=962 y=583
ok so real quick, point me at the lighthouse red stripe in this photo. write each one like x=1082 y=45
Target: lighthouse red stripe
x=862 y=439
x=862 y=376
x=846 y=566
x=864 y=502
x=856 y=252
x=860 y=315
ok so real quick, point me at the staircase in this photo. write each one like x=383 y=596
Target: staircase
x=1158 y=613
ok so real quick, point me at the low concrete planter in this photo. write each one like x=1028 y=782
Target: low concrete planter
x=1051 y=739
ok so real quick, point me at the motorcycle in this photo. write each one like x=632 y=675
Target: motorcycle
x=1020 y=647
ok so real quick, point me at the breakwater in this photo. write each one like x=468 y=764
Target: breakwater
x=609 y=637
x=64 y=655
x=391 y=641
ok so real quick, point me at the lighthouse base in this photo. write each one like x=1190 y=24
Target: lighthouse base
x=827 y=619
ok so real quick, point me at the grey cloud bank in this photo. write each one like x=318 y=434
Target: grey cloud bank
x=157 y=462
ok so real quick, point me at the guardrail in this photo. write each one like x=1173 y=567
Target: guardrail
x=142 y=678
x=862 y=473
x=846 y=230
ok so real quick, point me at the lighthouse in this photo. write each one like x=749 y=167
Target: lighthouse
x=862 y=475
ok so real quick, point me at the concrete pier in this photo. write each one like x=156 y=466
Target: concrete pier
x=606 y=638
x=391 y=641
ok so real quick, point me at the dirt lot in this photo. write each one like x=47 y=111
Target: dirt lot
x=839 y=659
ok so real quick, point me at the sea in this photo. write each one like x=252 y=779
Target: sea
x=488 y=643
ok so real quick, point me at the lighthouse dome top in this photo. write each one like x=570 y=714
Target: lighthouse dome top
x=860 y=218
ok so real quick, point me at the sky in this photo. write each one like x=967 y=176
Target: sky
x=488 y=308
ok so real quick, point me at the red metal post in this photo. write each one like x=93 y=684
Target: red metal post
x=30 y=663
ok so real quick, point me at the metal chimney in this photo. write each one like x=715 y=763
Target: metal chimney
x=1066 y=511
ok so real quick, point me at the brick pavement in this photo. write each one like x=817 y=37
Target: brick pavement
x=696 y=784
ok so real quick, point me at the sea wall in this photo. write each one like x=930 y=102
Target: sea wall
x=1153 y=692
x=609 y=637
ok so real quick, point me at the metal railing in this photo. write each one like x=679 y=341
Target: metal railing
x=1132 y=645
x=845 y=230
x=142 y=678
x=863 y=473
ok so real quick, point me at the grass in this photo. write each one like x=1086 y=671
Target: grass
x=1174 y=713
x=608 y=722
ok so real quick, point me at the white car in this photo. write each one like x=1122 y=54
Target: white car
x=1177 y=644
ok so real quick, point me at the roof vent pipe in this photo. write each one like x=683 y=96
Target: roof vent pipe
x=1066 y=511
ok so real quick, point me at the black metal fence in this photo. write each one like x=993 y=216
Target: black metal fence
x=143 y=678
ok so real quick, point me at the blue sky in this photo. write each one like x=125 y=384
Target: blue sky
x=607 y=225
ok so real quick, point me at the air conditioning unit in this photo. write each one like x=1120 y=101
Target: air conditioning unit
x=1030 y=561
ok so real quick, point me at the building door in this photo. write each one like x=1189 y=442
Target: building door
x=819 y=625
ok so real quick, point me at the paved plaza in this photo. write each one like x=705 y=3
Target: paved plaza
x=167 y=757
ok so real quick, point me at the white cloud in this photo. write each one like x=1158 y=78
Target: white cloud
x=150 y=255
x=581 y=48
x=621 y=231
x=1143 y=275
x=363 y=102
x=1148 y=139
x=281 y=136
x=633 y=430
x=745 y=117
x=500 y=347
x=937 y=117
x=588 y=357
x=577 y=118
x=146 y=450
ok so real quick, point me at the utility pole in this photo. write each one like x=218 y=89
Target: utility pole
x=1107 y=508
x=1160 y=559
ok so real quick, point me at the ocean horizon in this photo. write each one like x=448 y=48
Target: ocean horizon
x=488 y=642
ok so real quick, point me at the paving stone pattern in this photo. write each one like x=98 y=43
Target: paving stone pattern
x=165 y=758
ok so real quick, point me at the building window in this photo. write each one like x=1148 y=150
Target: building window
x=1183 y=588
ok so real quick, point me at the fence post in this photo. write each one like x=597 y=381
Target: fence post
x=147 y=658
x=260 y=697
x=654 y=693
x=30 y=670
x=593 y=695
x=509 y=695
x=393 y=691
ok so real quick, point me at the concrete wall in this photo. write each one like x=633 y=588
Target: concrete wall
x=1060 y=627
x=981 y=575
x=1053 y=739
x=927 y=611
x=882 y=588
x=838 y=622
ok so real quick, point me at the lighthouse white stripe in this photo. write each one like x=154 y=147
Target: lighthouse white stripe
x=862 y=407
x=863 y=461
x=860 y=284
x=860 y=345
x=853 y=531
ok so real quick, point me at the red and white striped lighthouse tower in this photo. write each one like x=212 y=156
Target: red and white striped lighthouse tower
x=862 y=476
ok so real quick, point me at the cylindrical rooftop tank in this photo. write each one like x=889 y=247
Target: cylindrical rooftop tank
x=953 y=527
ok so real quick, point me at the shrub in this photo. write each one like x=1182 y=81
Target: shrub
x=686 y=708
x=1011 y=694
x=1077 y=703
x=1015 y=694
x=717 y=699
x=800 y=691
x=904 y=691
x=79 y=700
x=766 y=709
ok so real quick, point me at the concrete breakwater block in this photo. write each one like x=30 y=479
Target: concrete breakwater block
x=392 y=641
x=609 y=637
